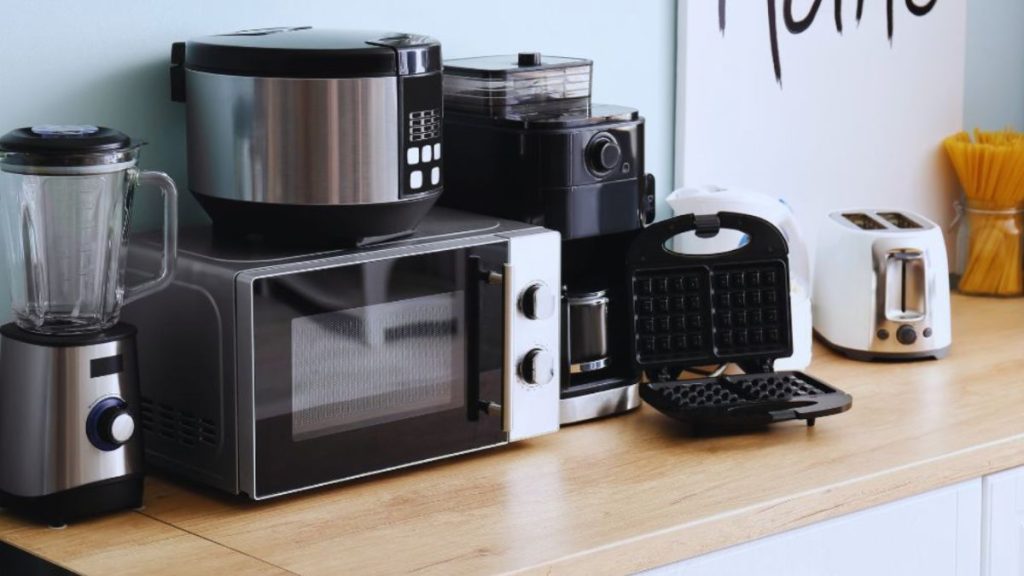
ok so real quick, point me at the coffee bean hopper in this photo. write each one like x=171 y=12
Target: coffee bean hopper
x=697 y=310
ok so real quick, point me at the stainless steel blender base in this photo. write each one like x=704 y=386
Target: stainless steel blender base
x=68 y=409
x=599 y=404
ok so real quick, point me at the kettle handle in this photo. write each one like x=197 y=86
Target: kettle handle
x=169 y=257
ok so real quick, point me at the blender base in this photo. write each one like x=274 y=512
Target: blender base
x=70 y=423
x=75 y=504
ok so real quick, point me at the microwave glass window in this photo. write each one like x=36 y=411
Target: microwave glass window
x=371 y=365
x=376 y=364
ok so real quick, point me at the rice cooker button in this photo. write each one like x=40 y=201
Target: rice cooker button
x=427 y=153
x=412 y=156
x=435 y=175
x=437 y=151
x=416 y=180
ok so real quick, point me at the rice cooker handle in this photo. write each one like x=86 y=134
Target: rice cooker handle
x=178 y=72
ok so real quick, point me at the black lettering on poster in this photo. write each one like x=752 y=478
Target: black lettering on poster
x=799 y=25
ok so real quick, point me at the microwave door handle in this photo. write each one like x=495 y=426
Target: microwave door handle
x=473 y=272
x=475 y=277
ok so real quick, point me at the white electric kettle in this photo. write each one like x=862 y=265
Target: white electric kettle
x=714 y=199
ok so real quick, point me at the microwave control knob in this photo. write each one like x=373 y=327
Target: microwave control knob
x=537 y=301
x=603 y=154
x=906 y=335
x=537 y=367
x=109 y=425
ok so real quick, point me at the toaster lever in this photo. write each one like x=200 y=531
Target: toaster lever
x=905 y=285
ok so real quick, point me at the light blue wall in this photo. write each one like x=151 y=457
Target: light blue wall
x=994 y=93
x=105 y=61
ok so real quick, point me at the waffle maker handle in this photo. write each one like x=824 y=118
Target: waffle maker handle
x=765 y=240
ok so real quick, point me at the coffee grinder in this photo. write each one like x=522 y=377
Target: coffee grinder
x=69 y=391
x=523 y=141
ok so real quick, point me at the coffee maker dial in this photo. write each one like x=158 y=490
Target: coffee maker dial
x=603 y=154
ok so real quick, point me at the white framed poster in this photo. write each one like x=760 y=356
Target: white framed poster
x=825 y=104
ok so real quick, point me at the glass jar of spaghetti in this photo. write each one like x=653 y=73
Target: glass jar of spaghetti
x=989 y=247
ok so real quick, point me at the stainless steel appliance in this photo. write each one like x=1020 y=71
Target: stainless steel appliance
x=524 y=141
x=271 y=370
x=881 y=285
x=68 y=369
x=328 y=133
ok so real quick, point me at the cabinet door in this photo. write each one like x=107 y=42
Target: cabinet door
x=937 y=533
x=1003 y=527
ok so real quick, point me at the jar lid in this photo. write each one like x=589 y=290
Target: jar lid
x=307 y=52
x=65 y=145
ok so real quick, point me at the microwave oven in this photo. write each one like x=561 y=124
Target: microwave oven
x=267 y=370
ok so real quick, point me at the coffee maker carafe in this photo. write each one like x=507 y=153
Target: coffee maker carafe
x=524 y=141
x=69 y=395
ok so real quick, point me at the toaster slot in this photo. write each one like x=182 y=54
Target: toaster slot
x=905 y=285
x=863 y=221
x=900 y=220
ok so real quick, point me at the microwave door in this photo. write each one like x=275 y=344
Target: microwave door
x=369 y=366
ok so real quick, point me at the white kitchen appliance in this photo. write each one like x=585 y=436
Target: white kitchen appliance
x=704 y=200
x=881 y=288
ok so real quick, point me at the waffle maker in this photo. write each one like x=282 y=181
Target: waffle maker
x=693 y=310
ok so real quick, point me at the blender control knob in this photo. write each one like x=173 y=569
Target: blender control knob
x=537 y=301
x=537 y=367
x=109 y=425
x=603 y=153
x=117 y=426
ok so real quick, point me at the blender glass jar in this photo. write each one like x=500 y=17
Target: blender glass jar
x=66 y=197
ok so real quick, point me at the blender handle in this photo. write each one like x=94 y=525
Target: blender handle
x=170 y=239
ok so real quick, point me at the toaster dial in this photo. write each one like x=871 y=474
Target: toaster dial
x=906 y=335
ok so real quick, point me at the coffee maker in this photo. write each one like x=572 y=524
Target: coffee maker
x=524 y=141
x=69 y=390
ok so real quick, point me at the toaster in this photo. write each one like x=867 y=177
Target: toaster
x=881 y=286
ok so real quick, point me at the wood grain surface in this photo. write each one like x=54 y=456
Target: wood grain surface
x=607 y=497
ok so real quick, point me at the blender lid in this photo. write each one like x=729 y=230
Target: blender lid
x=66 y=145
x=64 y=139
x=307 y=52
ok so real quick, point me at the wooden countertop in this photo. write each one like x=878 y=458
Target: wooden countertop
x=607 y=497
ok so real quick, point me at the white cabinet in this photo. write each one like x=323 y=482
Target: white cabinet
x=935 y=534
x=1003 y=528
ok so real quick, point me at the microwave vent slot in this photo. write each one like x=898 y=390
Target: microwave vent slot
x=177 y=426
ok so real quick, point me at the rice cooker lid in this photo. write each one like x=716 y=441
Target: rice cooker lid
x=307 y=52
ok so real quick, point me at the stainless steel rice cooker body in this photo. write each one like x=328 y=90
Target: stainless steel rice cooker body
x=323 y=132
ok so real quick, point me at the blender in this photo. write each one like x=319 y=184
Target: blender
x=69 y=390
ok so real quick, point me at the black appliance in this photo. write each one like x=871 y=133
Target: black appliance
x=273 y=369
x=694 y=310
x=524 y=141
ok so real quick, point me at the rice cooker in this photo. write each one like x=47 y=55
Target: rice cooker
x=310 y=132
